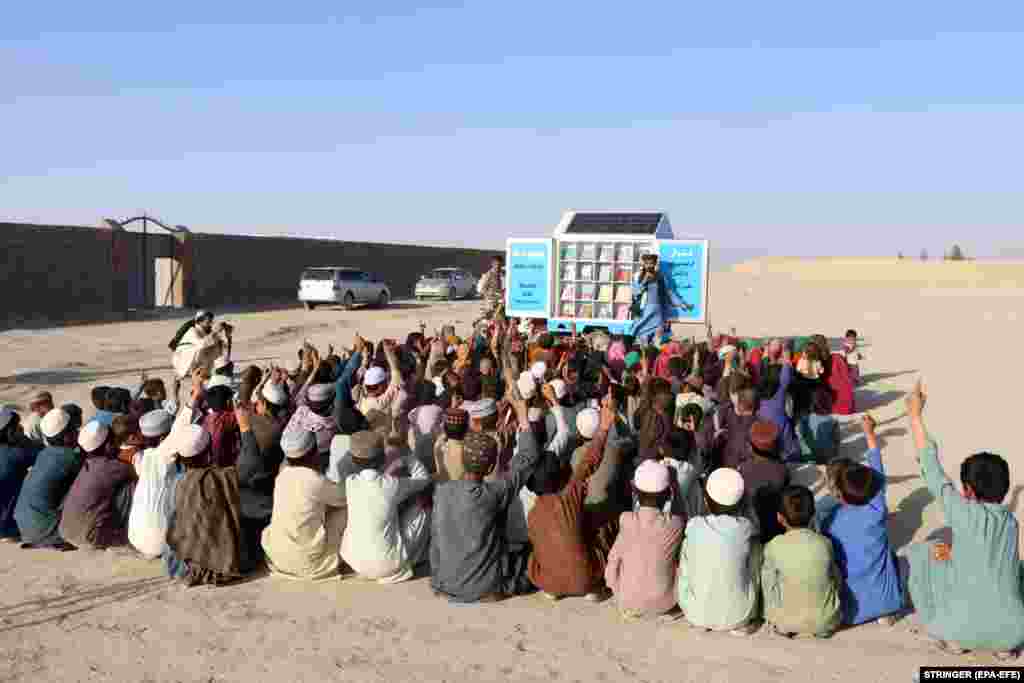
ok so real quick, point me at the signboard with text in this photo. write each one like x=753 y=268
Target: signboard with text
x=684 y=267
x=528 y=278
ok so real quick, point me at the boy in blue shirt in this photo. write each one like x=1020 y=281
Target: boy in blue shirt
x=857 y=526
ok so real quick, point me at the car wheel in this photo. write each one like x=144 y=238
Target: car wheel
x=349 y=302
x=383 y=299
x=310 y=306
x=452 y=294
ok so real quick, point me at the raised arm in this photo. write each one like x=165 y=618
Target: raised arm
x=934 y=476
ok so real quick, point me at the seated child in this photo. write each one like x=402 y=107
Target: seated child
x=720 y=560
x=799 y=576
x=968 y=596
x=857 y=527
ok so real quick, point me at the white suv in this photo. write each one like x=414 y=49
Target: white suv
x=341 y=285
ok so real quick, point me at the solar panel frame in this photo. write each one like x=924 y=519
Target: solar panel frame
x=589 y=223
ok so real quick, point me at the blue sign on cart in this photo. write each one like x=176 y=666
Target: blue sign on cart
x=528 y=278
x=684 y=267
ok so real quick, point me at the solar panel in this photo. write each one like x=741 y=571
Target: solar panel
x=614 y=224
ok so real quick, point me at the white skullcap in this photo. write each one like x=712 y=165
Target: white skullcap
x=725 y=486
x=559 y=386
x=192 y=441
x=203 y=314
x=297 y=442
x=92 y=436
x=218 y=381
x=651 y=477
x=726 y=350
x=274 y=393
x=485 y=407
x=538 y=370
x=587 y=422
x=527 y=386
x=374 y=376
x=54 y=422
x=318 y=393
x=6 y=415
x=156 y=423
x=535 y=414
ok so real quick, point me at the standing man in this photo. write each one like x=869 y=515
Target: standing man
x=652 y=302
x=492 y=288
x=198 y=346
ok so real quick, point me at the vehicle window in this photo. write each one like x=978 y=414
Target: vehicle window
x=365 y=277
x=318 y=274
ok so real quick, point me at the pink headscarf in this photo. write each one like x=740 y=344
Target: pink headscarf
x=616 y=355
x=671 y=349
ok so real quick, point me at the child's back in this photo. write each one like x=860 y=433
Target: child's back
x=974 y=598
x=799 y=577
x=871 y=583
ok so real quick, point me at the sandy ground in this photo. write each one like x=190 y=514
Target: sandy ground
x=88 y=616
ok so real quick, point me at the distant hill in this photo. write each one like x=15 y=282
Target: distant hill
x=982 y=274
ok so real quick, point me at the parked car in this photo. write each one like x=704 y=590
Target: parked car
x=446 y=283
x=341 y=285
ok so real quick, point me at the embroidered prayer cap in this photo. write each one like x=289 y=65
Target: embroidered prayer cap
x=479 y=453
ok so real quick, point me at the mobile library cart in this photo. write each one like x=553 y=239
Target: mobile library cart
x=585 y=273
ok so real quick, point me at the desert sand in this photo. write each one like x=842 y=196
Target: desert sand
x=101 y=616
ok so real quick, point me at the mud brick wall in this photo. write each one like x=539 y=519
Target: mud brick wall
x=79 y=274
x=55 y=272
x=231 y=269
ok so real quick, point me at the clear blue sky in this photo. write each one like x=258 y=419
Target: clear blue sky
x=797 y=127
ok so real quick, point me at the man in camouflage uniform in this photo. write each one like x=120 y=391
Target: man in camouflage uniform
x=492 y=289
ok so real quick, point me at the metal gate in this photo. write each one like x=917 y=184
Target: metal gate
x=152 y=269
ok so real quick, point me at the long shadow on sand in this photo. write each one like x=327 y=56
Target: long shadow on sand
x=908 y=517
x=881 y=376
x=873 y=400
